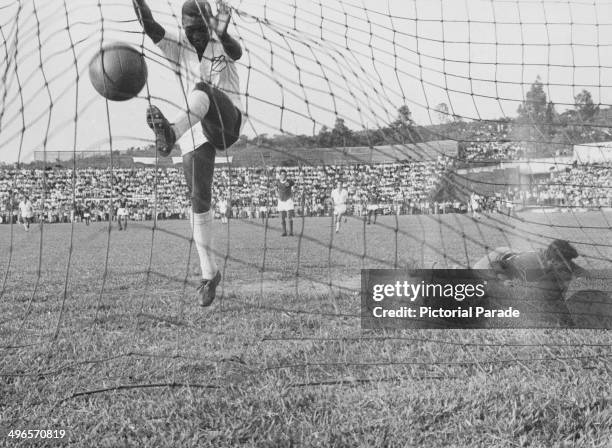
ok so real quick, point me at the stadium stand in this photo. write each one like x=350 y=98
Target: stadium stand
x=424 y=178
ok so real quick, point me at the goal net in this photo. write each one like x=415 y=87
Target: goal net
x=456 y=128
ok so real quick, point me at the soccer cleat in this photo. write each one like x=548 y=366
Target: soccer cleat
x=164 y=135
x=207 y=290
x=284 y=234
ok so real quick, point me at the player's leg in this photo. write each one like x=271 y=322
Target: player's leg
x=167 y=133
x=223 y=121
x=291 y=213
x=199 y=166
x=283 y=214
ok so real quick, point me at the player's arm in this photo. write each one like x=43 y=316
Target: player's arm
x=151 y=27
x=230 y=45
x=579 y=271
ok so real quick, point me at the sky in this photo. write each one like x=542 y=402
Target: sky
x=305 y=63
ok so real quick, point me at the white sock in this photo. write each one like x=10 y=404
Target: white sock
x=197 y=108
x=202 y=236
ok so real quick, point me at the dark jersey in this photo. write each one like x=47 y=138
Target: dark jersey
x=532 y=266
x=284 y=189
x=528 y=266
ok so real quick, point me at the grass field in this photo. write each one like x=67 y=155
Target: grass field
x=101 y=337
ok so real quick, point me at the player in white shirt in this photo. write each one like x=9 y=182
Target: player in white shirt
x=122 y=216
x=26 y=211
x=223 y=210
x=203 y=54
x=475 y=205
x=339 y=197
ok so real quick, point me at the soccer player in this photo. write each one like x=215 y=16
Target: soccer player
x=285 y=201
x=223 y=209
x=475 y=205
x=339 y=196
x=203 y=47
x=372 y=205
x=26 y=212
x=553 y=265
x=86 y=214
x=122 y=216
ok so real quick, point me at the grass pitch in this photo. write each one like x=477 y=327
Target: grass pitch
x=100 y=336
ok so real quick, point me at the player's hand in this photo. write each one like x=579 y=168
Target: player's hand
x=220 y=23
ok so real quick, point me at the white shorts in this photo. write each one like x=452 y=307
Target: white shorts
x=372 y=207
x=340 y=209
x=285 y=206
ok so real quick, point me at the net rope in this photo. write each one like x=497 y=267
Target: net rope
x=303 y=68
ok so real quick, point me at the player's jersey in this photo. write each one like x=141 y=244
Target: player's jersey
x=215 y=68
x=284 y=189
x=223 y=206
x=339 y=196
x=26 y=209
x=475 y=201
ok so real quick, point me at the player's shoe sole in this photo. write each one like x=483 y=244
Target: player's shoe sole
x=208 y=290
x=164 y=135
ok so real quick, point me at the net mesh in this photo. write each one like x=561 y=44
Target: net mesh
x=458 y=117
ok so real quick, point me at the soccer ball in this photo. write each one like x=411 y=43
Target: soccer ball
x=118 y=72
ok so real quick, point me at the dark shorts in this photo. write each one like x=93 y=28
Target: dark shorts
x=222 y=123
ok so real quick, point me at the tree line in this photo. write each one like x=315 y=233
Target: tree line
x=537 y=122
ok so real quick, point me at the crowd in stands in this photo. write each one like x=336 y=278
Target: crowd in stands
x=493 y=150
x=494 y=142
x=61 y=195
x=490 y=143
x=582 y=186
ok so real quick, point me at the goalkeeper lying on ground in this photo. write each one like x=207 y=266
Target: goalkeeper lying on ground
x=553 y=265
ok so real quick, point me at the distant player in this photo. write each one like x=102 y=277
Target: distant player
x=223 y=209
x=339 y=196
x=263 y=210
x=475 y=205
x=398 y=202
x=87 y=214
x=285 y=201
x=26 y=212
x=372 y=206
x=122 y=216
x=204 y=55
x=553 y=265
